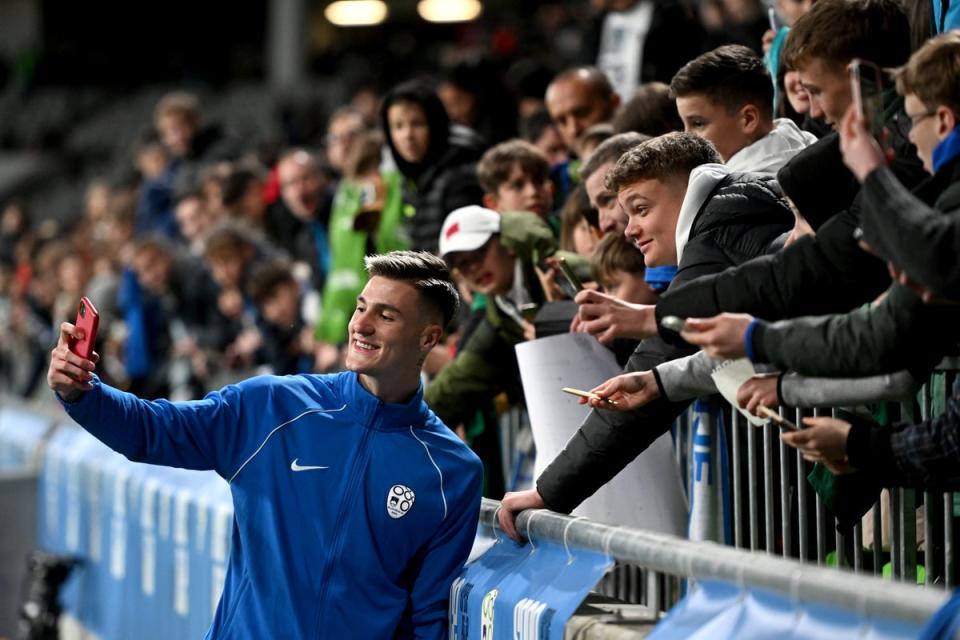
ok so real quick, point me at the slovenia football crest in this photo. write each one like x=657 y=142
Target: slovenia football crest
x=399 y=500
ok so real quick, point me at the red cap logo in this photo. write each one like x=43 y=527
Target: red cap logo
x=454 y=228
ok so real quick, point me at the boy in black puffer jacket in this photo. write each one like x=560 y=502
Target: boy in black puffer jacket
x=684 y=209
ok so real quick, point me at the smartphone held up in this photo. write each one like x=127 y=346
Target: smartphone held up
x=88 y=319
x=866 y=83
x=569 y=275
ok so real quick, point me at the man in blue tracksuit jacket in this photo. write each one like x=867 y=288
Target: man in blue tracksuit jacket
x=355 y=507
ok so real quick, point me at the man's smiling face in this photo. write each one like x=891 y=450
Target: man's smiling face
x=387 y=329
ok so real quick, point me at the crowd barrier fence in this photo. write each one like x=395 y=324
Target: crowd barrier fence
x=907 y=536
x=158 y=539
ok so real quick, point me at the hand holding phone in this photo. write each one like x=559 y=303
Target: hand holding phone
x=673 y=323
x=88 y=319
x=782 y=422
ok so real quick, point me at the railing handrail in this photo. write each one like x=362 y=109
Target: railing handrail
x=866 y=595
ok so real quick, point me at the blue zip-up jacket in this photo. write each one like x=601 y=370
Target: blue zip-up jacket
x=352 y=517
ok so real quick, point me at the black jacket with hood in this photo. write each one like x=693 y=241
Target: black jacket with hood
x=901 y=331
x=446 y=178
x=740 y=219
x=826 y=273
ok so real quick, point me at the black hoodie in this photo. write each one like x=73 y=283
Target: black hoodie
x=446 y=178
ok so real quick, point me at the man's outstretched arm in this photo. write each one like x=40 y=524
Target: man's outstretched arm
x=202 y=434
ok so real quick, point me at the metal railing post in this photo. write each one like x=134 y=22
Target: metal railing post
x=785 y=499
x=857 y=548
x=877 y=516
x=737 y=483
x=752 y=484
x=802 y=515
x=895 y=536
x=769 y=504
x=929 y=505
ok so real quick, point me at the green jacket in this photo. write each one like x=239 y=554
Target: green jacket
x=487 y=364
x=348 y=247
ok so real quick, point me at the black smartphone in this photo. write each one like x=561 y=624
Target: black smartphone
x=866 y=82
x=568 y=273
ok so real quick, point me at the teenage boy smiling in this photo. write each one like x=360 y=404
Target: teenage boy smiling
x=683 y=208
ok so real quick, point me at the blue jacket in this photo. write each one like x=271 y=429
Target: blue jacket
x=352 y=516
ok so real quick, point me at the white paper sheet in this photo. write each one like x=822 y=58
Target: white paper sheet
x=647 y=494
x=729 y=376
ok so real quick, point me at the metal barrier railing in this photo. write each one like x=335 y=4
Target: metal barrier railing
x=776 y=511
x=668 y=559
x=776 y=484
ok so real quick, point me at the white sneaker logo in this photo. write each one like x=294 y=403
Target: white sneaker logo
x=296 y=467
x=399 y=500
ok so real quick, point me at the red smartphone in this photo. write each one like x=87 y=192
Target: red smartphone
x=866 y=83
x=88 y=319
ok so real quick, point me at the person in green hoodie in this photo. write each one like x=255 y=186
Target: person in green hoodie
x=497 y=254
x=366 y=218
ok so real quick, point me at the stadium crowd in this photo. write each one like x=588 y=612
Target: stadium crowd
x=730 y=177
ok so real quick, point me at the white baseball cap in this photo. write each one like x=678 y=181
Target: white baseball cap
x=468 y=228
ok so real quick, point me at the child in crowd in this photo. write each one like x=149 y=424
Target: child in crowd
x=142 y=343
x=288 y=343
x=515 y=176
x=231 y=256
x=242 y=190
x=589 y=140
x=618 y=267
x=577 y=233
x=497 y=255
x=539 y=130
x=366 y=218
x=194 y=220
x=651 y=111
x=726 y=97
x=154 y=206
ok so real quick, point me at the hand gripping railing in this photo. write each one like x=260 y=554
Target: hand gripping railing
x=866 y=595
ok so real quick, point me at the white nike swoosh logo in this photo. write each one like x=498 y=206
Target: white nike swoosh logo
x=296 y=467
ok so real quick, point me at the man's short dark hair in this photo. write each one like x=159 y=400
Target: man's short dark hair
x=651 y=111
x=268 y=278
x=837 y=31
x=496 y=164
x=235 y=185
x=532 y=126
x=426 y=272
x=731 y=76
x=610 y=150
x=673 y=155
